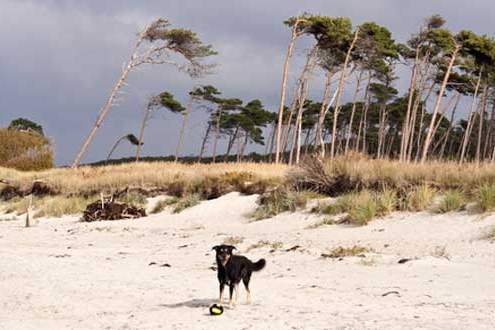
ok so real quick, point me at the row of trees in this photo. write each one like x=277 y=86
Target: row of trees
x=423 y=123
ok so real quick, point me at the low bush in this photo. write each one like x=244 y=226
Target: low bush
x=452 y=201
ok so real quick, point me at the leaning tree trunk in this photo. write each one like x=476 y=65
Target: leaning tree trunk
x=339 y=95
x=288 y=125
x=406 y=128
x=480 y=126
x=203 y=144
x=439 y=122
x=231 y=143
x=217 y=133
x=489 y=135
x=321 y=117
x=351 y=120
x=147 y=115
x=467 y=133
x=437 y=105
x=114 y=147
x=284 y=87
x=362 y=119
x=303 y=100
x=103 y=113
x=183 y=128
x=445 y=139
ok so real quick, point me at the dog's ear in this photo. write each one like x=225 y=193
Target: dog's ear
x=231 y=248
x=215 y=248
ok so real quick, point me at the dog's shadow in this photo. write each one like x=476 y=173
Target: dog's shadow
x=193 y=303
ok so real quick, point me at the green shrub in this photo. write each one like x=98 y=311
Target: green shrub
x=453 y=200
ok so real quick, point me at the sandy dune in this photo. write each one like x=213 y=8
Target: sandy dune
x=63 y=274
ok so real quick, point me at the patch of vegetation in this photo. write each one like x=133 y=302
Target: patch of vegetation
x=486 y=198
x=419 y=199
x=133 y=198
x=232 y=240
x=161 y=205
x=324 y=222
x=452 y=201
x=187 y=202
x=263 y=243
x=330 y=208
x=59 y=206
x=277 y=201
x=342 y=252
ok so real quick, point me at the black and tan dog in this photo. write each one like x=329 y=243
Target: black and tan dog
x=232 y=269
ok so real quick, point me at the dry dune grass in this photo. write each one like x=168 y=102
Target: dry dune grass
x=356 y=172
x=88 y=180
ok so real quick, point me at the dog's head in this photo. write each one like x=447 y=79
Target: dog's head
x=224 y=252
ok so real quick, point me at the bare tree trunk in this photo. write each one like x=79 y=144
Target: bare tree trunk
x=480 y=127
x=406 y=128
x=438 y=123
x=183 y=128
x=203 y=145
x=309 y=73
x=437 y=105
x=141 y=132
x=339 y=95
x=103 y=113
x=321 y=117
x=114 y=147
x=447 y=134
x=351 y=120
x=217 y=132
x=362 y=121
x=243 y=149
x=272 y=143
x=420 y=132
x=489 y=135
x=231 y=143
x=284 y=87
x=467 y=133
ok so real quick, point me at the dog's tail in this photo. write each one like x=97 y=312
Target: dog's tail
x=259 y=265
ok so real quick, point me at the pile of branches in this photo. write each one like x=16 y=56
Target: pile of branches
x=108 y=209
x=98 y=211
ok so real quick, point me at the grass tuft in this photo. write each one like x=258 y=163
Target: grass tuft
x=277 y=201
x=342 y=252
x=419 y=199
x=187 y=202
x=452 y=201
x=486 y=198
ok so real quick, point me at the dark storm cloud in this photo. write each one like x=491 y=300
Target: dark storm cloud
x=60 y=59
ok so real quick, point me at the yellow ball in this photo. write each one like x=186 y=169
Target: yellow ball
x=216 y=309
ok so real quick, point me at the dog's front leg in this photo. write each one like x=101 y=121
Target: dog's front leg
x=231 y=291
x=222 y=287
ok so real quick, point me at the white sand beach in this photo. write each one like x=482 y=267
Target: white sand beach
x=155 y=273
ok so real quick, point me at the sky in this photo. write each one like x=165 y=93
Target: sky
x=59 y=60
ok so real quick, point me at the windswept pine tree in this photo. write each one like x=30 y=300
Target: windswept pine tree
x=154 y=45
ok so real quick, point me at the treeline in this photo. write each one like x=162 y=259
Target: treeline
x=424 y=123
x=428 y=121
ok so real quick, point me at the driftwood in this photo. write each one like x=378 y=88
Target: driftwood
x=107 y=209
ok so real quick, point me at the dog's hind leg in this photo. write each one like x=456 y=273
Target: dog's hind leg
x=222 y=287
x=245 y=280
x=236 y=293
x=231 y=293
